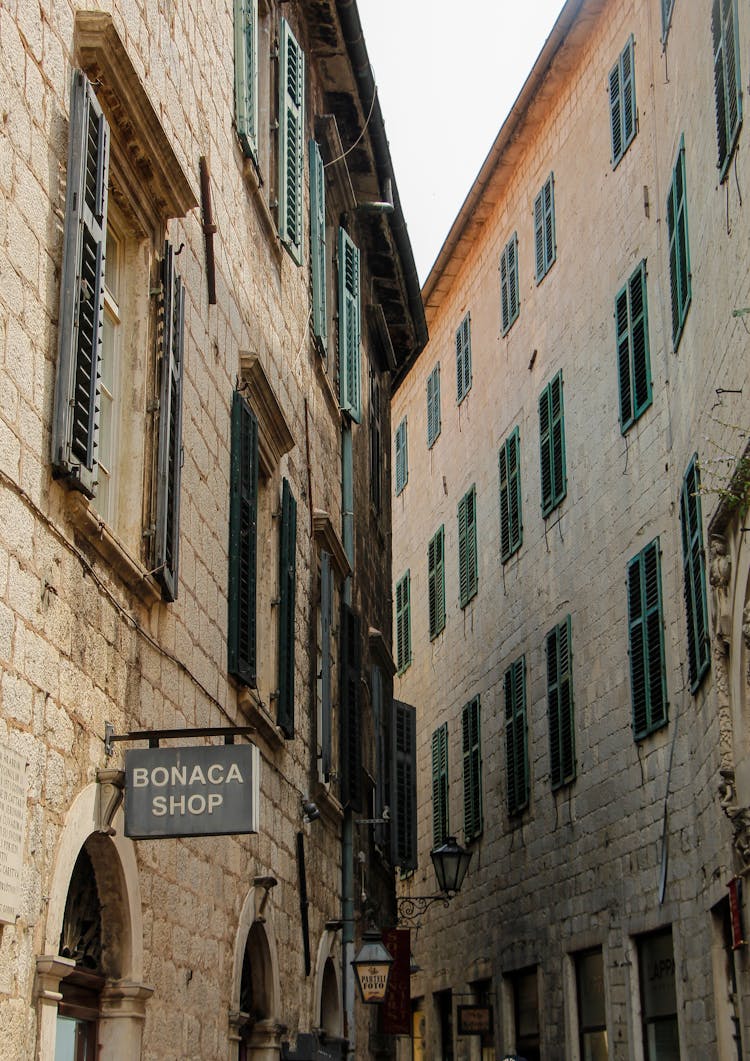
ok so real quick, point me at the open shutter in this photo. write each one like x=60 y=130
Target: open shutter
x=467 y=547
x=694 y=575
x=622 y=329
x=639 y=338
x=287 y=600
x=350 y=398
x=472 y=760
x=169 y=467
x=628 y=94
x=402 y=457
x=510 y=496
x=318 y=245
x=246 y=75
x=351 y=727
x=548 y=196
x=679 y=259
x=326 y=621
x=403 y=622
x=552 y=445
x=727 y=81
x=243 y=506
x=463 y=358
x=433 y=406
x=560 y=705
x=291 y=142
x=440 y=823
x=436 y=582
x=404 y=786
x=646 y=642
x=615 y=111
x=75 y=426
x=516 y=750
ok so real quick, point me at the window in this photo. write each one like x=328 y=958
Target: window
x=403 y=623
x=433 y=406
x=463 y=358
x=552 y=445
x=468 y=574
x=286 y=605
x=623 y=114
x=402 y=457
x=667 y=7
x=525 y=989
x=318 y=250
x=404 y=786
x=472 y=756
x=509 y=305
x=349 y=327
x=291 y=141
x=545 y=248
x=679 y=253
x=661 y=1041
x=243 y=536
x=350 y=739
x=440 y=823
x=436 y=582
x=694 y=575
x=633 y=359
x=560 y=705
x=246 y=75
x=648 y=683
x=592 y=1020
x=516 y=736
x=727 y=79
x=511 y=525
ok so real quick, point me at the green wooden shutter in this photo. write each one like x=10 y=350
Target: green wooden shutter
x=509 y=466
x=243 y=514
x=246 y=75
x=468 y=577
x=544 y=228
x=633 y=357
x=402 y=457
x=509 y=284
x=463 y=358
x=350 y=398
x=326 y=622
x=694 y=575
x=433 y=406
x=622 y=106
x=516 y=737
x=291 y=141
x=436 y=582
x=560 y=705
x=472 y=758
x=75 y=427
x=403 y=622
x=440 y=820
x=169 y=452
x=648 y=683
x=666 y=17
x=287 y=601
x=404 y=786
x=679 y=254
x=351 y=722
x=552 y=445
x=318 y=245
x=727 y=79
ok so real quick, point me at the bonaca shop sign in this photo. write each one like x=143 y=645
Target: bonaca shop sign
x=199 y=791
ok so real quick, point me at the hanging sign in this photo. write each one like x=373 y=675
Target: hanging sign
x=209 y=790
x=735 y=912
x=474 y=1020
x=395 y=1013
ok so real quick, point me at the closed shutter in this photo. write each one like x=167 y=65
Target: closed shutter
x=679 y=256
x=287 y=601
x=349 y=327
x=463 y=358
x=472 y=760
x=440 y=822
x=402 y=457
x=404 y=786
x=633 y=357
x=544 y=229
x=467 y=547
x=516 y=739
x=75 y=427
x=243 y=509
x=727 y=79
x=694 y=575
x=433 y=406
x=326 y=622
x=552 y=445
x=646 y=642
x=509 y=284
x=246 y=75
x=436 y=582
x=403 y=622
x=169 y=460
x=511 y=527
x=622 y=107
x=560 y=705
x=318 y=245
x=291 y=141
x=351 y=723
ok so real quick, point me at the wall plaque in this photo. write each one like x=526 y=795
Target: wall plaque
x=12 y=830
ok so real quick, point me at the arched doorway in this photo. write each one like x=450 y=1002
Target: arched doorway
x=253 y=1012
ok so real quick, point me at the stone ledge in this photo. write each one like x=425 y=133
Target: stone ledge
x=275 y=437
x=256 y=715
x=327 y=538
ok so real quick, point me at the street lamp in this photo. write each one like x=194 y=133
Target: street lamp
x=451 y=862
x=372 y=967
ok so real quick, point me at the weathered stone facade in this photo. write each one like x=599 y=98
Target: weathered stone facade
x=200 y=940
x=645 y=831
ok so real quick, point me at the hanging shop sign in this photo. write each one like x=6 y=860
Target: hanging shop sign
x=735 y=913
x=395 y=1013
x=474 y=1020
x=210 y=790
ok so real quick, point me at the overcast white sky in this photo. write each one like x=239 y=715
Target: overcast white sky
x=447 y=76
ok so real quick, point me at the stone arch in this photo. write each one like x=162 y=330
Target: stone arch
x=255 y=966
x=327 y=995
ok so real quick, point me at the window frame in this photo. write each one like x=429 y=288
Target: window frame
x=680 y=276
x=646 y=642
x=246 y=76
x=633 y=348
x=510 y=302
x=545 y=236
x=291 y=141
x=726 y=101
x=623 y=110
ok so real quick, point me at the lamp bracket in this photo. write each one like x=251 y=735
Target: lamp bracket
x=412 y=907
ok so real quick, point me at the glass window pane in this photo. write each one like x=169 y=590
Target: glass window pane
x=595 y=1046
x=590 y=968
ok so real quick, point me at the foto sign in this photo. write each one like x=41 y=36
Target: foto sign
x=202 y=791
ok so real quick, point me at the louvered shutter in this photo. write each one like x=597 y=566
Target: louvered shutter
x=75 y=427
x=351 y=724
x=349 y=327
x=646 y=642
x=727 y=80
x=463 y=358
x=403 y=622
x=633 y=358
x=552 y=445
x=615 y=111
x=679 y=258
x=629 y=112
x=436 y=582
x=694 y=575
x=472 y=761
x=291 y=141
x=404 y=786
x=246 y=75
x=433 y=406
x=509 y=467
x=544 y=228
x=440 y=822
x=622 y=330
x=243 y=506
x=560 y=705
x=287 y=601
x=539 y=236
x=467 y=547
x=516 y=748
x=169 y=459
x=318 y=244
x=326 y=621
x=666 y=17
x=402 y=457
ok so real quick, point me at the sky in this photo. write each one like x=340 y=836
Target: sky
x=447 y=76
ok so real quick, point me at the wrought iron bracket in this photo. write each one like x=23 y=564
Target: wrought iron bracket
x=153 y=736
x=412 y=907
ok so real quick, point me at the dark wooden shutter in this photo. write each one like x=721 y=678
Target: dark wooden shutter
x=544 y=228
x=350 y=386
x=403 y=622
x=516 y=746
x=75 y=426
x=472 y=761
x=243 y=514
x=404 y=786
x=679 y=257
x=169 y=461
x=318 y=245
x=291 y=141
x=467 y=547
x=246 y=75
x=440 y=820
x=646 y=642
x=402 y=457
x=560 y=705
x=287 y=601
x=463 y=358
x=694 y=575
x=326 y=621
x=351 y=726
x=436 y=582
x=509 y=469
x=433 y=406
x=552 y=445
x=727 y=80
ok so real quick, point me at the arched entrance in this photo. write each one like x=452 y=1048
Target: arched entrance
x=254 y=1026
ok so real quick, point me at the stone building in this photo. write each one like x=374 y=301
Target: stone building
x=206 y=286
x=571 y=565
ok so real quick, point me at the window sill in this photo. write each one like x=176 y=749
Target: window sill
x=268 y=733
x=327 y=803
x=255 y=183
x=111 y=549
x=328 y=392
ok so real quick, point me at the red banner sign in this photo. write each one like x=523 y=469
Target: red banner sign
x=395 y=1012
x=735 y=912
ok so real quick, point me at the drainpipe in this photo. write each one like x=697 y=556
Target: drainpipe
x=347 y=838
